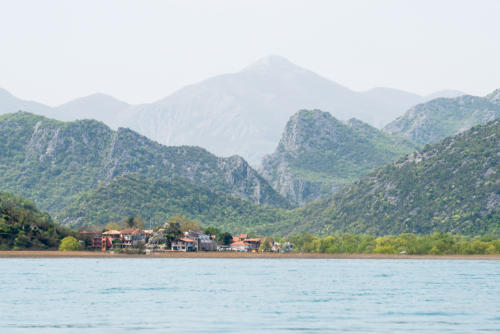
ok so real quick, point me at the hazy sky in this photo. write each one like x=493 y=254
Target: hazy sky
x=140 y=51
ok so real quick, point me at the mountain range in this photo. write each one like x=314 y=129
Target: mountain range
x=432 y=121
x=451 y=186
x=237 y=113
x=50 y=161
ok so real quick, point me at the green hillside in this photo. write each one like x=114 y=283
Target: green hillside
x=452 y=186
x=157 y=200
x=318 y=154
x=430 y=122
x=23 y=226
x=50 y=161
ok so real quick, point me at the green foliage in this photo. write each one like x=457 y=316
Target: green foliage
x=132 y=222
x=185 y=224
x=111 y=226
x=225 y=238
x=23 y=226
x=266 y=245
x=407 y=243
x=433 y=121
x=158 y=201
x=451 y=186
x=211 y=231
x=172 y=232
x=51 y=162
x=70 y=244
x=327 y=153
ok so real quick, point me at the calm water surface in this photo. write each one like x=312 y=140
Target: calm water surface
x=248 y=296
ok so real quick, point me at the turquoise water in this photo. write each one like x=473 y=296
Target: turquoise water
x=248 y=296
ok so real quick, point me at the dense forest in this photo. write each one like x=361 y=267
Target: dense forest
x=451 y=186
x=156 y=201
x=23 y=226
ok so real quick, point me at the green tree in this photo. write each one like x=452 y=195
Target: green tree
x=225 y=238
x=132 y=222
x=112 y=226
x=266 y=245
x=69 y=244
x=212 y=231
x=185 y=224
x=172 y=232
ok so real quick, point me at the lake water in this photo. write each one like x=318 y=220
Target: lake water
x=248 y=296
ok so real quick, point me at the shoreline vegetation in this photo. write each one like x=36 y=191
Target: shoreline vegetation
x=237 y=255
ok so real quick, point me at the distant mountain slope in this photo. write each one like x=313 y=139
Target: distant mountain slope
x=432 y=121
x=9 y=104
x=447 y=93
x=318 y=154
x=452 y=186
x=97 y=106
x=237 y=113
x=158 y=200
x=244 y=112
x=23 y=226
x=49 y=161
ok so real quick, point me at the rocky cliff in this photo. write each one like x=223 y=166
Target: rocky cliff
x=49 y=161
x=317 y=154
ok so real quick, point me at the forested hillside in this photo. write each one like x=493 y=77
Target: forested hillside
x=158 y=200
x=23 y=226
x=452 y=186
x=432 y=121
x=50 y=161
x=318 y=154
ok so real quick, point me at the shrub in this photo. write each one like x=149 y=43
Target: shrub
x=69 y=244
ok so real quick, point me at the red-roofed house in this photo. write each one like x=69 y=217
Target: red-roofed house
x=133 y=237
x=183 y=245
x=241 y=246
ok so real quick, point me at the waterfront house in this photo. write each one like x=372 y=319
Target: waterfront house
x=133 y=237
x=241 y=246
x=203 y=242
x=254 y=243
x=183 y=245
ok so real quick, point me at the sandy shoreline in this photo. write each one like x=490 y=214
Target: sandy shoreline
x=234 y=255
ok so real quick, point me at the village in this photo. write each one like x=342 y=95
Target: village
x=137 y=240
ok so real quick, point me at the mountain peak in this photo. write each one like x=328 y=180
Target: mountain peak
x=96 y=98
x=271 y=62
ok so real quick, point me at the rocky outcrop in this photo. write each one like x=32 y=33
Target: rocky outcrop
x=318 y=154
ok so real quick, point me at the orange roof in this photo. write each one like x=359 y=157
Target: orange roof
x=186 y=240
x=240 y=243
x=243 y=236
x=112 y=232
x=132 y=231
x=254 y=240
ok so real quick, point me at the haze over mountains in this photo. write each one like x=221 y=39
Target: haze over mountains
x=432 y=121
x=238 y=113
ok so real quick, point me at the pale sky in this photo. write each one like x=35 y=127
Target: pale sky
x=141 y=51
